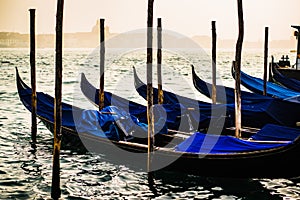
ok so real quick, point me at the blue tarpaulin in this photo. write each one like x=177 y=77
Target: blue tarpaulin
x=274 y=132
x=111 y=120
x=273 y=90
x=208 y=143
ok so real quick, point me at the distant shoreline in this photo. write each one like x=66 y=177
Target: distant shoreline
x=91 y=40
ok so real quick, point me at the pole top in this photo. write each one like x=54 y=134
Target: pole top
x=296 y=27
x=159 y=22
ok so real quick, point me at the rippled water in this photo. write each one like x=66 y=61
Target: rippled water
x=25 y=172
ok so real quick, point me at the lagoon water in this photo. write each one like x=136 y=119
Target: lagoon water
x=25 y=172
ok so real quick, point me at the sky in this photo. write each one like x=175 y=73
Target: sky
x=187 y=17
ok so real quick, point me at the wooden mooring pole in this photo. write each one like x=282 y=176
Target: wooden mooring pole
x=238 y=118
x=266 y=60
x=150 y=115
x=159 y=62
x=102 y=59
x=214 y=60
x=237 y=66
x=33 y=77
x=270 y=69
x=55 y=189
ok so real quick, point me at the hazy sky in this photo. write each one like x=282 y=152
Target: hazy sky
x=187 y=17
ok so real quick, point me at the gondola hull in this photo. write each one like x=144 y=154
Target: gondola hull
x=283 y=80
x=290 y=73
x=256 y=85
x=282 y=162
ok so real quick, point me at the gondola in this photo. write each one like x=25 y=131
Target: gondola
x=200 y=154
x=178 y=116
x=45 y=112
x=284 y=66
x=263 y=109
x=114 y=123
x=274 y=90
x=289 y=71
x=281 y=79
x=225 y=94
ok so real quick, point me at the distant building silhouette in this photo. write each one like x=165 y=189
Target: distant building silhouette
x=8 y=39
x=70 y=40
x=96 y=29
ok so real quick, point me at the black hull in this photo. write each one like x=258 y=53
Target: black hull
x=283 y=80
x=290 y=72
x=70 y=139
x=282 y=162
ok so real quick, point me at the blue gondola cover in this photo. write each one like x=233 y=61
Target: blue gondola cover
x=204 y=143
